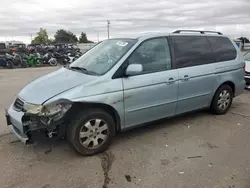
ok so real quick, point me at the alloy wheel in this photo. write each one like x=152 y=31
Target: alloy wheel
x=224 y=100
x=93 y=133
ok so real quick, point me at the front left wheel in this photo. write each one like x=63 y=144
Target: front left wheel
x=91 y=131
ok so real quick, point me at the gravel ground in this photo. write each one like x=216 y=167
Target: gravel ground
x=197 y=150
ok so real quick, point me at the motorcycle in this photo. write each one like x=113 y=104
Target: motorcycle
x=33 y=60
x=63 y=59
x=77 y=55
x=17 y=60
x=5 y=62
x=74 y=55
x=49 y=59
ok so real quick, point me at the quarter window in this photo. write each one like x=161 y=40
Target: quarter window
x=223 y=49
x=153 y=55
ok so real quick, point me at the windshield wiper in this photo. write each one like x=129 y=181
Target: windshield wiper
x=78 y=68
x=82 y=70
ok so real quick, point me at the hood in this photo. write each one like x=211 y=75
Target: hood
x=52 y=84
x=247 y=66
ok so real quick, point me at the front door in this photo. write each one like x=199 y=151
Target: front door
x=152 y=94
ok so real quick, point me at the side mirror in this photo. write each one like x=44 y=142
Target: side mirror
x=134 y=69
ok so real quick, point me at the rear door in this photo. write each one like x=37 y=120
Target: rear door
x=196 y=74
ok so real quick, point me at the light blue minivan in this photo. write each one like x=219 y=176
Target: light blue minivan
x=125 y=82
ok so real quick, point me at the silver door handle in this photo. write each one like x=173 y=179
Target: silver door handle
x=185 y=78
x=170 y=81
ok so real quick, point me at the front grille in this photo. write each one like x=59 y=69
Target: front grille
x=18 y=105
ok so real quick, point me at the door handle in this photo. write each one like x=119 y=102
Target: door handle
x=170 y=81
x=185 y=78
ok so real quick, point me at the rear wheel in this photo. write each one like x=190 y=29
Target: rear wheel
x=53 y=62
x=222 y=100
x=9 y=65
x=38 y=62
x=23 y=64
x=91 y=131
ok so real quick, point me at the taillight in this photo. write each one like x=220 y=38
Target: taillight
x=244 y=67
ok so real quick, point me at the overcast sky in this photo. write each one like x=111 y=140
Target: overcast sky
x=21 y=18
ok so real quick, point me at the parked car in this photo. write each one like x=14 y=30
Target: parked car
x=247 y=68
x=122 y=83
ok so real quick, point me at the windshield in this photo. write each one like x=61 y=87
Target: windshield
x=104 y=56
x=247 y=56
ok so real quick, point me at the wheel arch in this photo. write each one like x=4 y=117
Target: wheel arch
x=230 y=83
x=77 y=106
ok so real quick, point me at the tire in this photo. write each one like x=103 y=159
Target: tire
x=222 y=100
x=23 y=64
x=53 y=62
x=9 y=65
x=38 y=63
x=93 y=119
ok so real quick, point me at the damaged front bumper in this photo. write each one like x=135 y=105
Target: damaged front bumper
x=13 y=119
x=48 y=119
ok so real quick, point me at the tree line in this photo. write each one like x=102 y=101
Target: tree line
x=61 y=36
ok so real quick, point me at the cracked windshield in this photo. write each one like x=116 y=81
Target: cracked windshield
x=125 y=94
x=103 y=56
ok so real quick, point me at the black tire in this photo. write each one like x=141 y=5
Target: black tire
x=23 y=64
x=74 y=128
x=38 y=63
x=9 y=65
x=53 y=62
x=215 y=106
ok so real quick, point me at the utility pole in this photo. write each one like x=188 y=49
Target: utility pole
x=108 y=25
x=31 y=38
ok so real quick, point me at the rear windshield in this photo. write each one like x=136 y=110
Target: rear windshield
x=2 y=46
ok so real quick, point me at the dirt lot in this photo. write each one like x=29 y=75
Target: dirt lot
x=157 y=155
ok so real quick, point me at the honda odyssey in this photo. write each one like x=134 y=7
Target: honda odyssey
x=125 y=82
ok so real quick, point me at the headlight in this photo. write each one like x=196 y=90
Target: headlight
x=56 y=108
x=32 y=108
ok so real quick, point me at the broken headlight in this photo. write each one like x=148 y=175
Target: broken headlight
x=35 y=109
x=56 y=109
x=59 y=107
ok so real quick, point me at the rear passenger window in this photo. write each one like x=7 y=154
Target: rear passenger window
x=153 y=55
x=191 y=51
x=222 y=48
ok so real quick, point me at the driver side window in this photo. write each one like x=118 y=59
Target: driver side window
x=153 y=55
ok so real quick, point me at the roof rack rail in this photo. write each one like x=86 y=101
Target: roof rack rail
x=201 y=32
